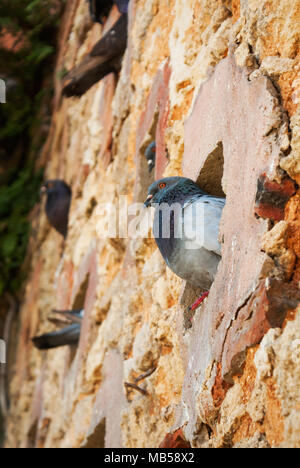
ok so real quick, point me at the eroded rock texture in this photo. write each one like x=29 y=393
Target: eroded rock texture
x=217 y=84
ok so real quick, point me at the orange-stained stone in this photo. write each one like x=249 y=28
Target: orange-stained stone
x=178 y=112
x=248 y=376
x=236 y=9
x=247 y=428
x=220 y=388
x=175 y=440
x=273 y=421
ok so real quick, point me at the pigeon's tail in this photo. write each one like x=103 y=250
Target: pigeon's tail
x=66 y=336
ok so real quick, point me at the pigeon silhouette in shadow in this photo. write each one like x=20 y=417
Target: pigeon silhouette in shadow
x=58 y=204
x=66 y=336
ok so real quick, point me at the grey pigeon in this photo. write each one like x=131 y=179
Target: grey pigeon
x=187 y=234
x=104 y=58
x=66 y=336
x=122 y=5
x=57 y=204
x=150 y=155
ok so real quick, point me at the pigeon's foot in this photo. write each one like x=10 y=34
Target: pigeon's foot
x=198 y=301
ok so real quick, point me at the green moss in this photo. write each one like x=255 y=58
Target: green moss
x=26 y=67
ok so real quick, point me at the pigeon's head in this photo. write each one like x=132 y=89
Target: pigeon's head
x=55 y=187
x=150 y=155
x=159 y=189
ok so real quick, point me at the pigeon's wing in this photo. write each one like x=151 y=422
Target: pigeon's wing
x=114 y=42
x=104 y=58
x=91 y=70
x=67 y=336
x=201 y=219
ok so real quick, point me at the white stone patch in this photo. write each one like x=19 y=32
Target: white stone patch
x=265 y=354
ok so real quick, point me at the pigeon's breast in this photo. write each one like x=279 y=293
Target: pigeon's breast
x=57 y=209
x=197 y=266
x=183 y=242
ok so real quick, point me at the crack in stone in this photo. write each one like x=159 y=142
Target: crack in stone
x=245 y=302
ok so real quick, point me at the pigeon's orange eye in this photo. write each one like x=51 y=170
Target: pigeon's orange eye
x=162 y=185
x=50 y=185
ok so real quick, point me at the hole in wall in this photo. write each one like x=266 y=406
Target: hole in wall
x=91 y=206
x=32 y=434
x=97 y=438
x=143 y=176
x=211 y=174
x=78 y=304
x=79 y=300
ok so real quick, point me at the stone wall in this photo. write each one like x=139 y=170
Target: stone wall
x=217 y=82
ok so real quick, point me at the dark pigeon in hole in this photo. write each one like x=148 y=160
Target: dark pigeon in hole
x=150 y=156
x=122 y=5
x=104 y=58
x=66 y=336
x=57 y=204
x=188 y=241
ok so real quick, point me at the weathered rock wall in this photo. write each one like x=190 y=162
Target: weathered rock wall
x=218 y=85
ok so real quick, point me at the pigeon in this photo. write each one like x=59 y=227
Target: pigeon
x=104 y=58
x=186 y=228
x=150 y=155
x=66 y=336
x=113 y=43
x=122 y=5
x=57 y=204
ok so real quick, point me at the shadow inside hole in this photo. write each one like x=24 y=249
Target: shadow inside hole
x=79 y=300
x=32 y=435
x=78 y=304
x=90 y=209
x=211 y=174
x=144 y=178
x=97 y=438
x=210 y=180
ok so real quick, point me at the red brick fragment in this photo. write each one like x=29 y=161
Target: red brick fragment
x=267 y=308
x=271 y=197
x=175 y=440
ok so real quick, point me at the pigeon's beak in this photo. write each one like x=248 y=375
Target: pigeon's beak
x=148 y=200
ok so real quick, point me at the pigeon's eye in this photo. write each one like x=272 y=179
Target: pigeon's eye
x=162 y=185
